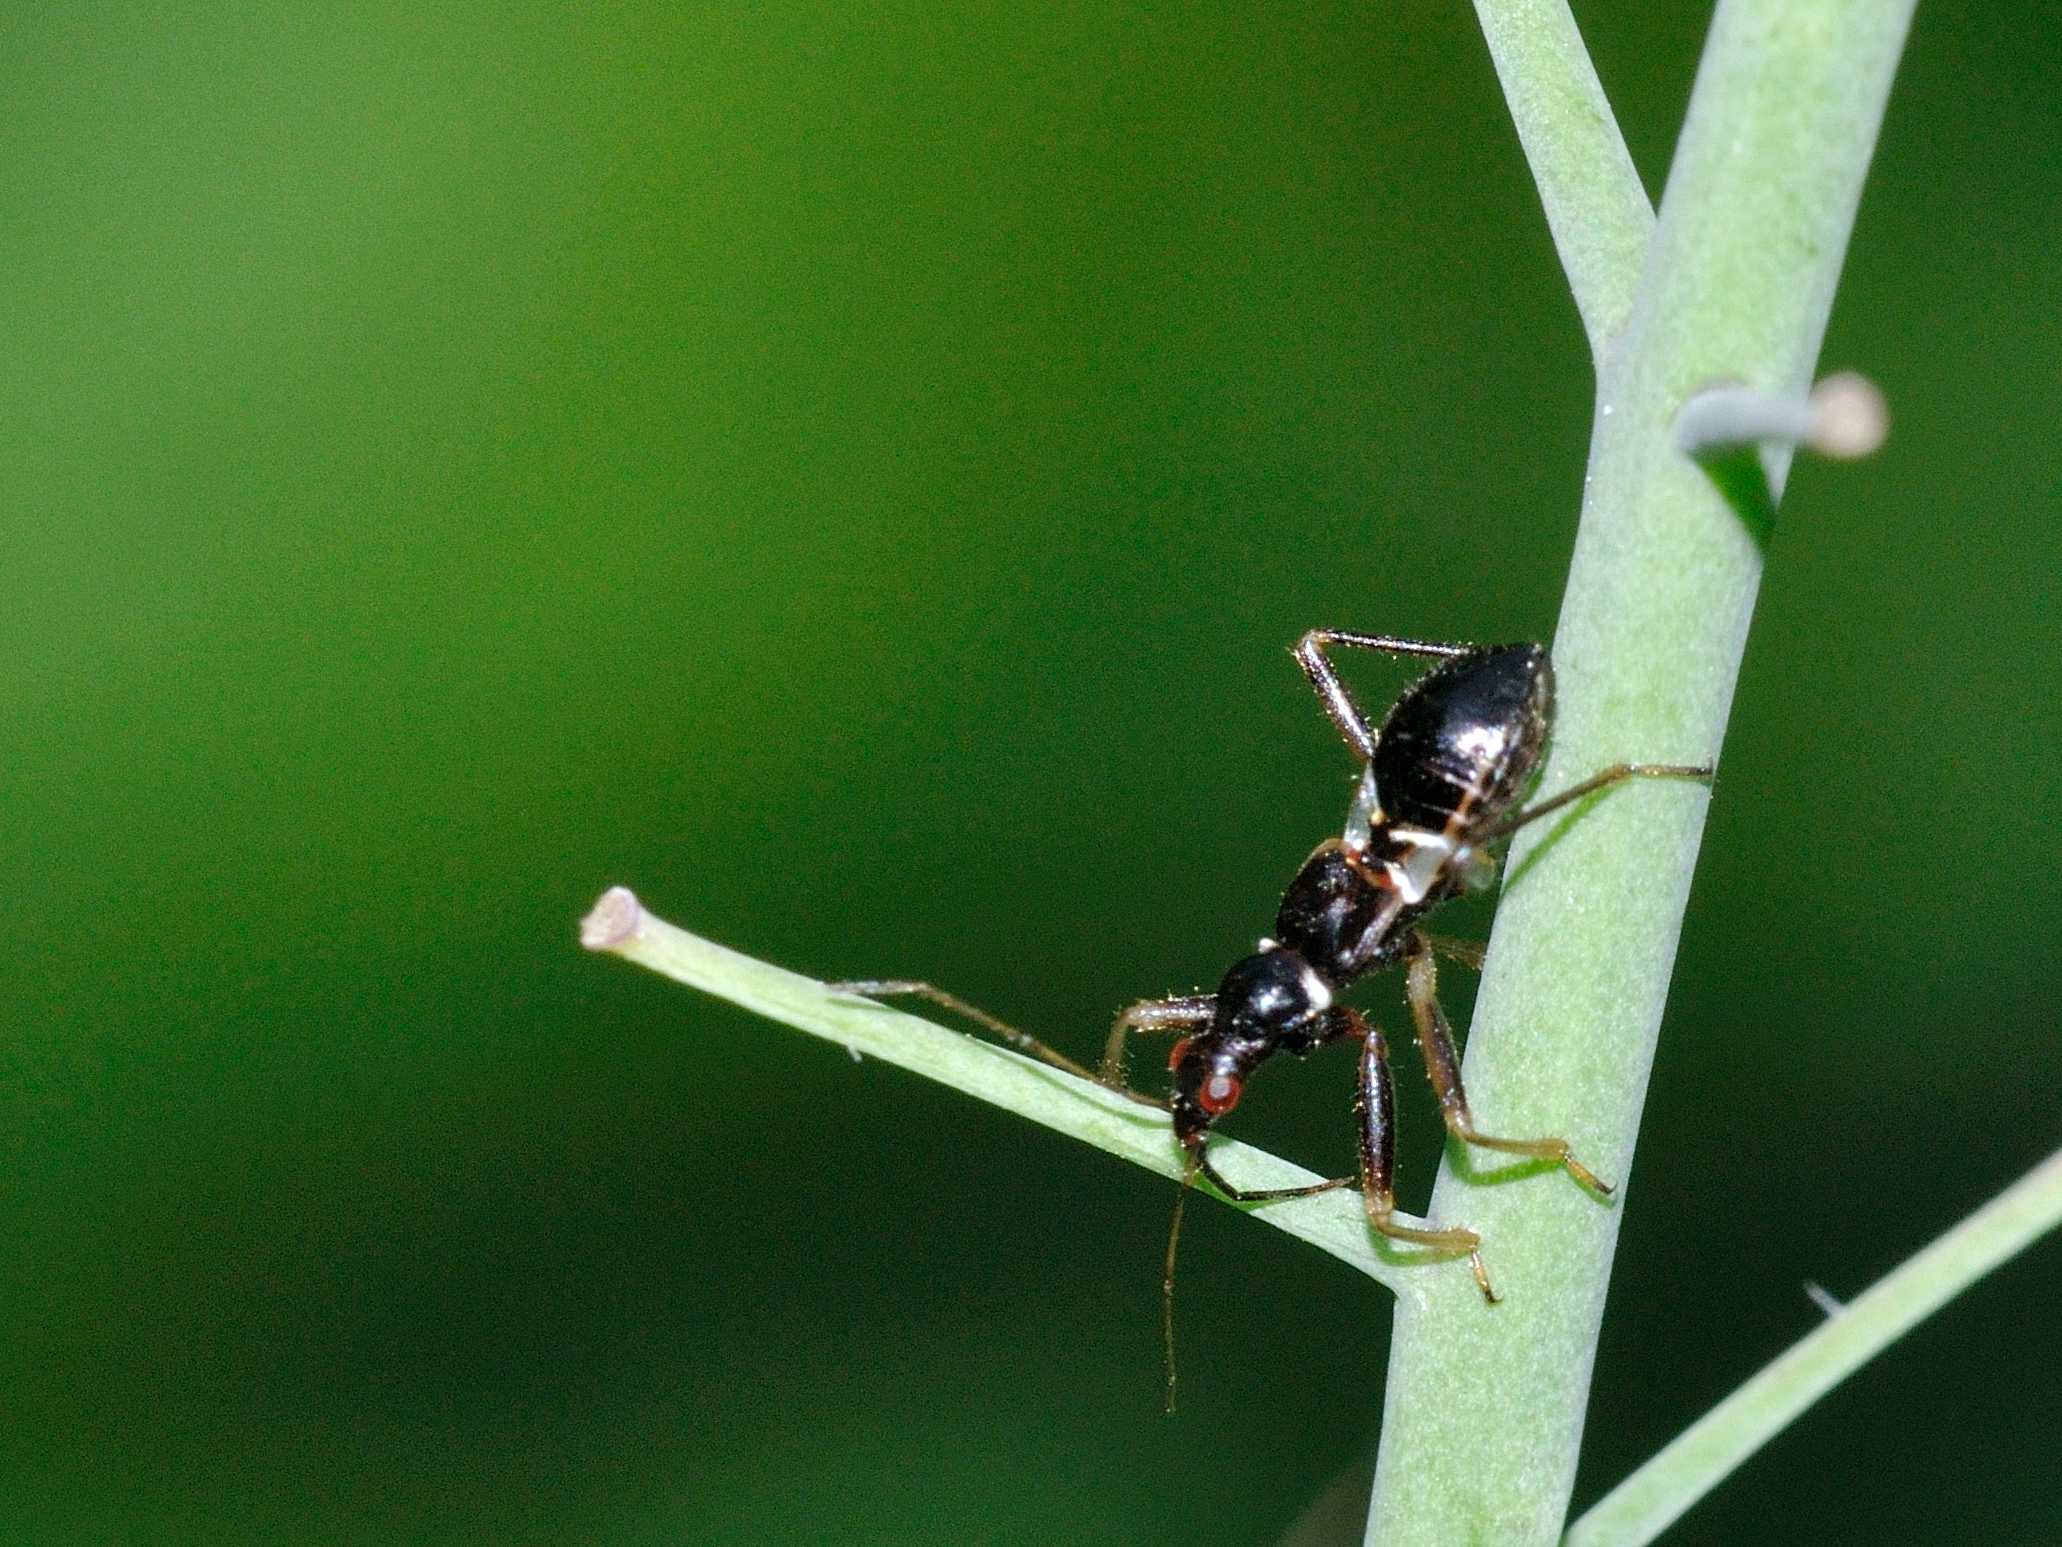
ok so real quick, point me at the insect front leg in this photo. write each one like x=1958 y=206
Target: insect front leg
x=1265 y=1194
x=1443 y=1068
x=1182 y=1012
x=1338 y=1022
x=1023 y=1041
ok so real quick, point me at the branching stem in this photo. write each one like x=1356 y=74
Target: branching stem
x=1643 y=1506
x=1599 y=214
x=1729 y=289
x=1483 y=1415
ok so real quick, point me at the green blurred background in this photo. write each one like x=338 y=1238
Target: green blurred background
x=851 y=473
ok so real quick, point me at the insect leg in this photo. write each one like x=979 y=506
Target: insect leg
x=1338 y=702
x=1265 y=1194
x=1023 y=1041
x=1339 y=1022
x=1617 y=773
x=1468 y=953
x=1377 y=1106
x=1182 y=1012
x=1443 y=1067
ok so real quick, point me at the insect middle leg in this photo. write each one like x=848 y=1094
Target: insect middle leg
x=1443 y=1067
x=1469 y=953
x=1023 y=1041
x=1377 y=1106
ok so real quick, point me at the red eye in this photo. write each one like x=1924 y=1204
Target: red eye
x=1179 y=1052
x=1220 y=1093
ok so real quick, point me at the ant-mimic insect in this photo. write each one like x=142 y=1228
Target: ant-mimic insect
x=1442 y=783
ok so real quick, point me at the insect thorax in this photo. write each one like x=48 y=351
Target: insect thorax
x=1342 y=915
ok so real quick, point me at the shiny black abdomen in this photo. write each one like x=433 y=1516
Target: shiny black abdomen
x=1477 y=724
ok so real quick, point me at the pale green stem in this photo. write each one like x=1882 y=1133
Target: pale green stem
x=1485 y=1405
x=1595 y=207
x=1333 y=1222
x=1641 y=1507
x=1484 y=1412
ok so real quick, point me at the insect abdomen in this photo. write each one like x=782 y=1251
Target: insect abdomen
x=1466 y=736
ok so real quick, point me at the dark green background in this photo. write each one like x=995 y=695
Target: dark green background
x=851 y=472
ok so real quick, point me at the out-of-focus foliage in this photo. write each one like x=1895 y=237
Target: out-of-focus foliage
x=850 y=472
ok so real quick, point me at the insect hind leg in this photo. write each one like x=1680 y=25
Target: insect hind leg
x=1332 y=693
x=1604 y=778
x=1443 y=1068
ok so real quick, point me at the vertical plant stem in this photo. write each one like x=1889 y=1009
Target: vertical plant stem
x=1485 y=1407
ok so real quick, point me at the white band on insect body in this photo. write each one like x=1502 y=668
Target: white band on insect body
x=1430 y=854
x=1316 y=990
x=1366 y=813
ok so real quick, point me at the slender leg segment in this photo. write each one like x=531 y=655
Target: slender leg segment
x=1617 y=773
x=1468 y=953
x=1377 y=1106
x=1184 y=1012
x=1443 y=1067
x=1265 y=1194
x=1023 y=1041
x=1338 y=1022
x=1331 y=692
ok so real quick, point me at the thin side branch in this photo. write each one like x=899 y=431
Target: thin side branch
x=1646 y=1503
x=1333 y=1222
x=1595 y=206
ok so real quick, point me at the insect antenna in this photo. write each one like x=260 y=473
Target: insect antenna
x=1181 y=1199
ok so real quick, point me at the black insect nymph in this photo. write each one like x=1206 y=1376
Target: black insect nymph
x=1443 y=782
